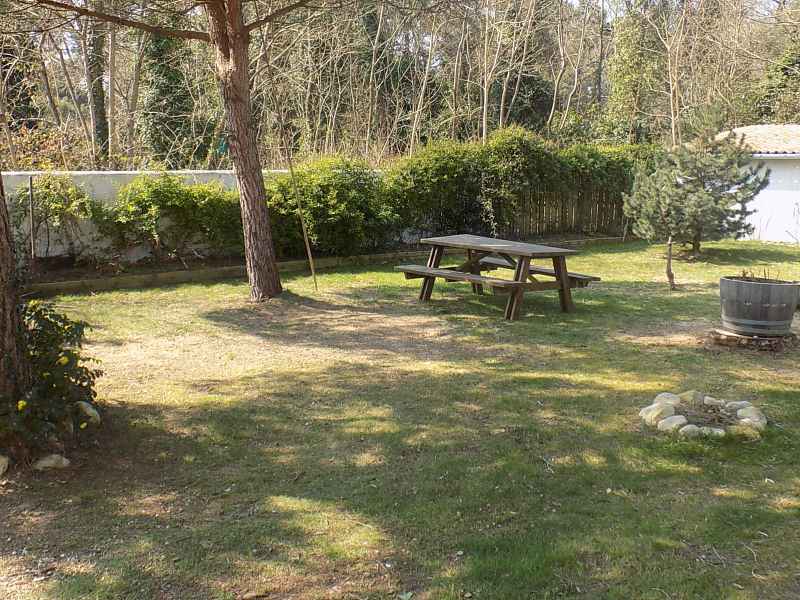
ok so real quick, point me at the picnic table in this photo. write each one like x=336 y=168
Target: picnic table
x=487 y=254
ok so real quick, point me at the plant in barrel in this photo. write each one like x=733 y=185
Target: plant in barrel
x=696 y=192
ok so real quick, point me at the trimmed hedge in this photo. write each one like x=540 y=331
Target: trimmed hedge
x=342 y=205
x=439 y=190
x=171 y=218
x=516 y=185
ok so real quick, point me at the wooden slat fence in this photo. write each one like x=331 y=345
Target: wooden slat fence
x=540 y=212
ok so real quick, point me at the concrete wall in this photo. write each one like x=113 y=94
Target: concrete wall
x=104 y=185
x=777 y=216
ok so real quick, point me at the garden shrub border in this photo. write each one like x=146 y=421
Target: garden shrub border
x=517 y=185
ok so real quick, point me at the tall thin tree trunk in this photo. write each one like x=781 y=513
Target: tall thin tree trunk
x=71 y=88
x=13 y=369
x=377 y=44
x=4 y=117
x=94 y=57
x=563 y=66
x=230 y=40
x=598 y=92
x=112 y=82
x=133 y=103
x=46 y=87
x=421 y=98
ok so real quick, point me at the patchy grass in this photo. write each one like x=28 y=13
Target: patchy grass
x=352 y=443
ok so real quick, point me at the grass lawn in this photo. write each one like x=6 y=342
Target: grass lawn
x=352 y=443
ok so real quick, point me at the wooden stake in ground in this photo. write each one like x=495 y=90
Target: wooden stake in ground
x=670 y=274
x=31 y=225
x=300 y=215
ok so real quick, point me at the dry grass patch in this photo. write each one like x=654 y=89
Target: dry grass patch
x=354 y=444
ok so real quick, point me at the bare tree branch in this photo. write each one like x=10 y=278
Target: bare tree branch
x=187 y=34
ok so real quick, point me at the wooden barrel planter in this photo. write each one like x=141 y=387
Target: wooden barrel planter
x=756 y=306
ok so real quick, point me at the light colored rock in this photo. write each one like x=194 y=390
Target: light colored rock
x=692 y=397
x=88 y=411
x=756 y=424
x=667 y=398
x=743 y=431
x=711 y=401
x=751 y=412
x=671 y=424
x=738 y=405
x=51 y=461
x=652 y=414
x=4 y=462
x=689 y=431
x=712 y=432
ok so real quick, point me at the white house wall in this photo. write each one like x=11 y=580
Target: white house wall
x=777 y=216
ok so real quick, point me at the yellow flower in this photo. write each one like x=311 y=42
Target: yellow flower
x=83 y=425
x=21 y=405
x=63 y=360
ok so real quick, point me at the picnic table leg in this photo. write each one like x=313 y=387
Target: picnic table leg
x=475 y=269
x=562 y=276
x=427 y=283
x=514 y=304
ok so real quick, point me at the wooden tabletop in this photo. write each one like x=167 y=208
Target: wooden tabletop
x=487 y=244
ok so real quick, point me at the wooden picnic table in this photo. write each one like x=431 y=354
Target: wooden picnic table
x=485 y=254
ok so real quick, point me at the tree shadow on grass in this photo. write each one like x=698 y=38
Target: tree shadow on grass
x=469 y=461
x=296 y=485
x=748 y=255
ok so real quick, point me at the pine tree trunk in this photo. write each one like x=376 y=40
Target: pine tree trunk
x=13 y=370
x=696 y=245
x=230 y=41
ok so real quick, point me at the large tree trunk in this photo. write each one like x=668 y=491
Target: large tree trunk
x=230 y=40
x=13 y=370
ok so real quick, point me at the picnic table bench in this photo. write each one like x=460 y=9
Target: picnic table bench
x=488 y=254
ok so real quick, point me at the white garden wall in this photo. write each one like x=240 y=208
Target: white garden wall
x=104 y=186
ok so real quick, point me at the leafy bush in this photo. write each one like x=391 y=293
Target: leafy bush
x=439 y=190
x=59 y=207
x=59 y=374
x=341 y=204
x=170 y=216
x=516 y=163
x=515 y=184
x=469 y=187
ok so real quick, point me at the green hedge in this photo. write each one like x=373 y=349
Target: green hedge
x=516 y=175
x=516 y=184
x=439 y=190
x=170 y=217
x=343 y=205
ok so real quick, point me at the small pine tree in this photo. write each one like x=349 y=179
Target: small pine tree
x=698 y=191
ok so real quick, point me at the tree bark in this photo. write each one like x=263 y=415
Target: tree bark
x=696 y=244
x=13 y=370
x=112 y=82
x=95 y=61
x=230 y=39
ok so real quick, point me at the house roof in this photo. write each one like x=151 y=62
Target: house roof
x=771 y=139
